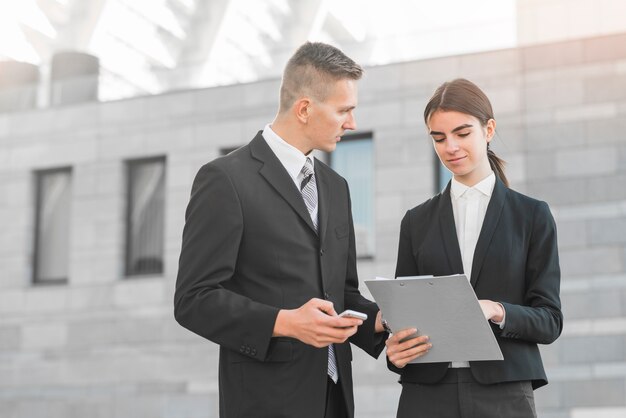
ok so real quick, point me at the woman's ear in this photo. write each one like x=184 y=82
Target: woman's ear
x=491 y=129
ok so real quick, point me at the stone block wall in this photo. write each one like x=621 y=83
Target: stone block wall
x=107 y=346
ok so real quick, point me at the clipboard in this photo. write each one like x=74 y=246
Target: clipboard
x=443 y=307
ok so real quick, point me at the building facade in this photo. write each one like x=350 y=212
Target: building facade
x=93 y=195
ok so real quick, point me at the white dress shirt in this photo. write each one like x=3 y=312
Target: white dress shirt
x=290 y=157
x=469 y=206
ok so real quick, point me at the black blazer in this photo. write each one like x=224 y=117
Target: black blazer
x=249 y=249
x=516 y=263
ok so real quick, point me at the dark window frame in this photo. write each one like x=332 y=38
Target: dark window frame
x=39 y=175
x=355 y=137
x=227 y=150
x=438 y=167
x=129 y=163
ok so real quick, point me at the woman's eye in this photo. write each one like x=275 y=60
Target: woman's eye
x=438 y=139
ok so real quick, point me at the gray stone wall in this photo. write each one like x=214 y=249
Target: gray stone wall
x=106 y=346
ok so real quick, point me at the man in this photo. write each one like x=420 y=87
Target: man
x=268 y=255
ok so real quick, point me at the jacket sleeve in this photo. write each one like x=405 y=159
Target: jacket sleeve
x=540 y=319
x=211 y=238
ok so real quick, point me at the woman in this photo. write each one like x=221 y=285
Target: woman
x=506 y=245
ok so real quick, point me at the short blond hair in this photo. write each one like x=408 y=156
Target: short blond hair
x=312 y=69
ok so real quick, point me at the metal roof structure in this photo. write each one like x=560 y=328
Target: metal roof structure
x=152 y=46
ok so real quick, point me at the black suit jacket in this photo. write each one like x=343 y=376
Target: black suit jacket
x=515 y=262
x=250 y=249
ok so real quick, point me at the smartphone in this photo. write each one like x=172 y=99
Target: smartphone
x=348 y=313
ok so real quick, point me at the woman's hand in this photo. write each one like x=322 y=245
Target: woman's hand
x=493 y=311
x=402 y=352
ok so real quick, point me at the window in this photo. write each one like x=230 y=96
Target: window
x=228 y=150
x=145 y=216
x=354 y=160
x=442 y=175
x=52 y=226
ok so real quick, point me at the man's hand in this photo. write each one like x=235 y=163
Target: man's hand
x=401 y=353
x=315 y=323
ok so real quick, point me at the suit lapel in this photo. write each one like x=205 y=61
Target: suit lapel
x=276 y=175
x=494 y=210
x=322 y=195
x=448 y=232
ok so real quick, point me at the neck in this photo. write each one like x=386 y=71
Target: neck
x=291 y=132
x=473 y=178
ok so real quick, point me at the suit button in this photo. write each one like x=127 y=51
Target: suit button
x=326 y=295
x=247 y=350
x=321 y=252
x=253 y=352
x=242 y=349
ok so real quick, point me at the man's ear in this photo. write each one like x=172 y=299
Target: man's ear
x=302 y=109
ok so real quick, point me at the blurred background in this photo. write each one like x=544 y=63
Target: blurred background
x=109 y=107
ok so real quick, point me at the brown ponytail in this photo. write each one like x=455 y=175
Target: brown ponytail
x=463 y=96
x=497 y=165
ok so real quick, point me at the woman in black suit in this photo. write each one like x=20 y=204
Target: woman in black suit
x=505 y=243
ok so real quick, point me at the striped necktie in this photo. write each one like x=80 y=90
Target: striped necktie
x=308 y=188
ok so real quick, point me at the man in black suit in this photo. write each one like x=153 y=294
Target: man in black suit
x=268 y=255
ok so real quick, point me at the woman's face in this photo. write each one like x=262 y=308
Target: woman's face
x=461 y=141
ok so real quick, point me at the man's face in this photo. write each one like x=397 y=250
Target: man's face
x=331 y=118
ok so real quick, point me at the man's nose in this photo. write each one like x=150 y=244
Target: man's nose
x=350 y=122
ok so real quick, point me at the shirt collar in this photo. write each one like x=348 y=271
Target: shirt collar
x=485 y=186
x=291 y=157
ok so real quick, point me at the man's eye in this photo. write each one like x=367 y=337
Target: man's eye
x=464 y=134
